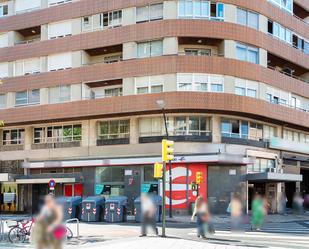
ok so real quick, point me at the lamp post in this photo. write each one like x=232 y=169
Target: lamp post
x=161 y=104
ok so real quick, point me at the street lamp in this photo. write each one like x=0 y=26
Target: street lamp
x=161 y=104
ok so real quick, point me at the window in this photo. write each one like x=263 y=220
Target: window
x=247 y=53
x=200 y=9
x=30 y=97
x=59 y=94
x=99 y=21
x=198 y=51
x=59 y=29
x=247 y=18
x=151 y=84
x=151 y=127
x=256 y=131
x=2 y=101
x=25 y=67
x=26 y=5
x=261 y=165
x=149 y=49
x=199 y=82
x=279 y=32
x=149 y=13
x=269 y=132
x=234 y=128
x=240 y=91
x=286 y=5
x=4 y=39
x=4 y=70
x=198 y=126
x=14 y=136
x=113 y=92
x=57 y=134
x=57 y=2
x=246 y=88
x=4 y=10
x=59 y=61
x=295 y=136
x=114 y=129
x=277 y=96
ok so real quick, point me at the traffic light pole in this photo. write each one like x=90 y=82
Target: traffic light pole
x=170 y=170
x=163 y=200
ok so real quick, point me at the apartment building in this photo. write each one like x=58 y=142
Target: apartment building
x=80 y=81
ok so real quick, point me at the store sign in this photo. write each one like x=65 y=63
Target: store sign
x=99 y=189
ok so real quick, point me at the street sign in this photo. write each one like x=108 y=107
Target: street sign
x=52 y=184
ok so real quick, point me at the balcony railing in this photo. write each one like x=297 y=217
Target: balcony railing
x=243 y=141
x=180 y=138
x=56 y=145
x=113 y=141
x=287 y=74
x=27 y=41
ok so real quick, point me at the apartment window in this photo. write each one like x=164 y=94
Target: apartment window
x=26 y=5
x=149 y=49
x=234 y=128
x=247 y=18
x=256 y=131
x=200 y=9
x=57 y=2
x=261 y=165
x=113 y=92
x=247 y=53
x=30 y=97
x=276 y=96
x=2 y=101
x=4 y=10
x=192 y=125
x=14 y=136
x=59 y=29
x=59 y=61
x=152 y=84
x=25 y=67
x=295 y=136
x=199 y=82
x=59 y=94
x=114 y=129
x=198 y=51
x=246 y=88
x=57 y=134
x=4 y=40
x=151 y=127
x=279 y=32
x=269 y=132
x=4 y=70
x=286 y=5
x=149 y=13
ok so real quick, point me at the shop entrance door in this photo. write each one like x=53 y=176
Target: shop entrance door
x=38 y=193
x=132 y=186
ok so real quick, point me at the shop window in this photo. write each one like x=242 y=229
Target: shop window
x=148 y=174
x=14 y=136
x=110 y=174
x=149 y=13
x=114 y=129
x=31 y=97
x=54 y=134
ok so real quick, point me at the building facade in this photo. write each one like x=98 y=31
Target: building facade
x=80 y=82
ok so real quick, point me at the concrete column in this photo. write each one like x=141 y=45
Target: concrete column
x=263 y=57
x=229 y=84
x=128 y=16
x=229 y=49
x=28 y=137
x=44 y=96
x=134 y=132
x=92 y=132
x=170 y=45
x=216 y=131
x=44 y=32
x=263 y=24
x=170 y=10
x=85 y=133
x=129 y=50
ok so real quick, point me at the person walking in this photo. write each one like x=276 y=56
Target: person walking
x=258 y=212
x=148 y=213
x=48 y=231
x=202 y=216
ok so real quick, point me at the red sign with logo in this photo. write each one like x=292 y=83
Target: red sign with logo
x=52 y=184
x=182 y=176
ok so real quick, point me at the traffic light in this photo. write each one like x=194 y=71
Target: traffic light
x=193 y=186
x=158 y=170
x=199 y=177
x=167 y=150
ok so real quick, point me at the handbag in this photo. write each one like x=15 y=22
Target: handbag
x=60 y=232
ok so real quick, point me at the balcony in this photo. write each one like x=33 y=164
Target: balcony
x=113 y=141
x=243 y=141
x=70 y=144
x=28 y=35
x=102 y=89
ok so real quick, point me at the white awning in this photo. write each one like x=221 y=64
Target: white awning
x=44 y=180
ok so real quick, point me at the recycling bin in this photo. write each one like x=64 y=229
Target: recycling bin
x=157 y=201
x=71 y=207
x=116 y=209
x=93 y=208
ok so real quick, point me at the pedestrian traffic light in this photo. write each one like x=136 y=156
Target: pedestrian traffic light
x=193 y=186
x=158 y=170
x=167 y=150
x=199 y=177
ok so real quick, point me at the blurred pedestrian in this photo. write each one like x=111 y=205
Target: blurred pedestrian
x=236 y=209
x=48 y=231
x=282 y=203
x=258 y=212
x=148 y=212
x=202 y=216
x=298 y=203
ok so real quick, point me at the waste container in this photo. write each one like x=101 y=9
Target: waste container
x=116 y=209
x=93 y=208
x=157 y=201
x=71 y=207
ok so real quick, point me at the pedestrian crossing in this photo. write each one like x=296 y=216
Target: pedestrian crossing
x=290 y=228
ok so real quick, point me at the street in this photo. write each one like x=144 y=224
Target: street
x=284 y=233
